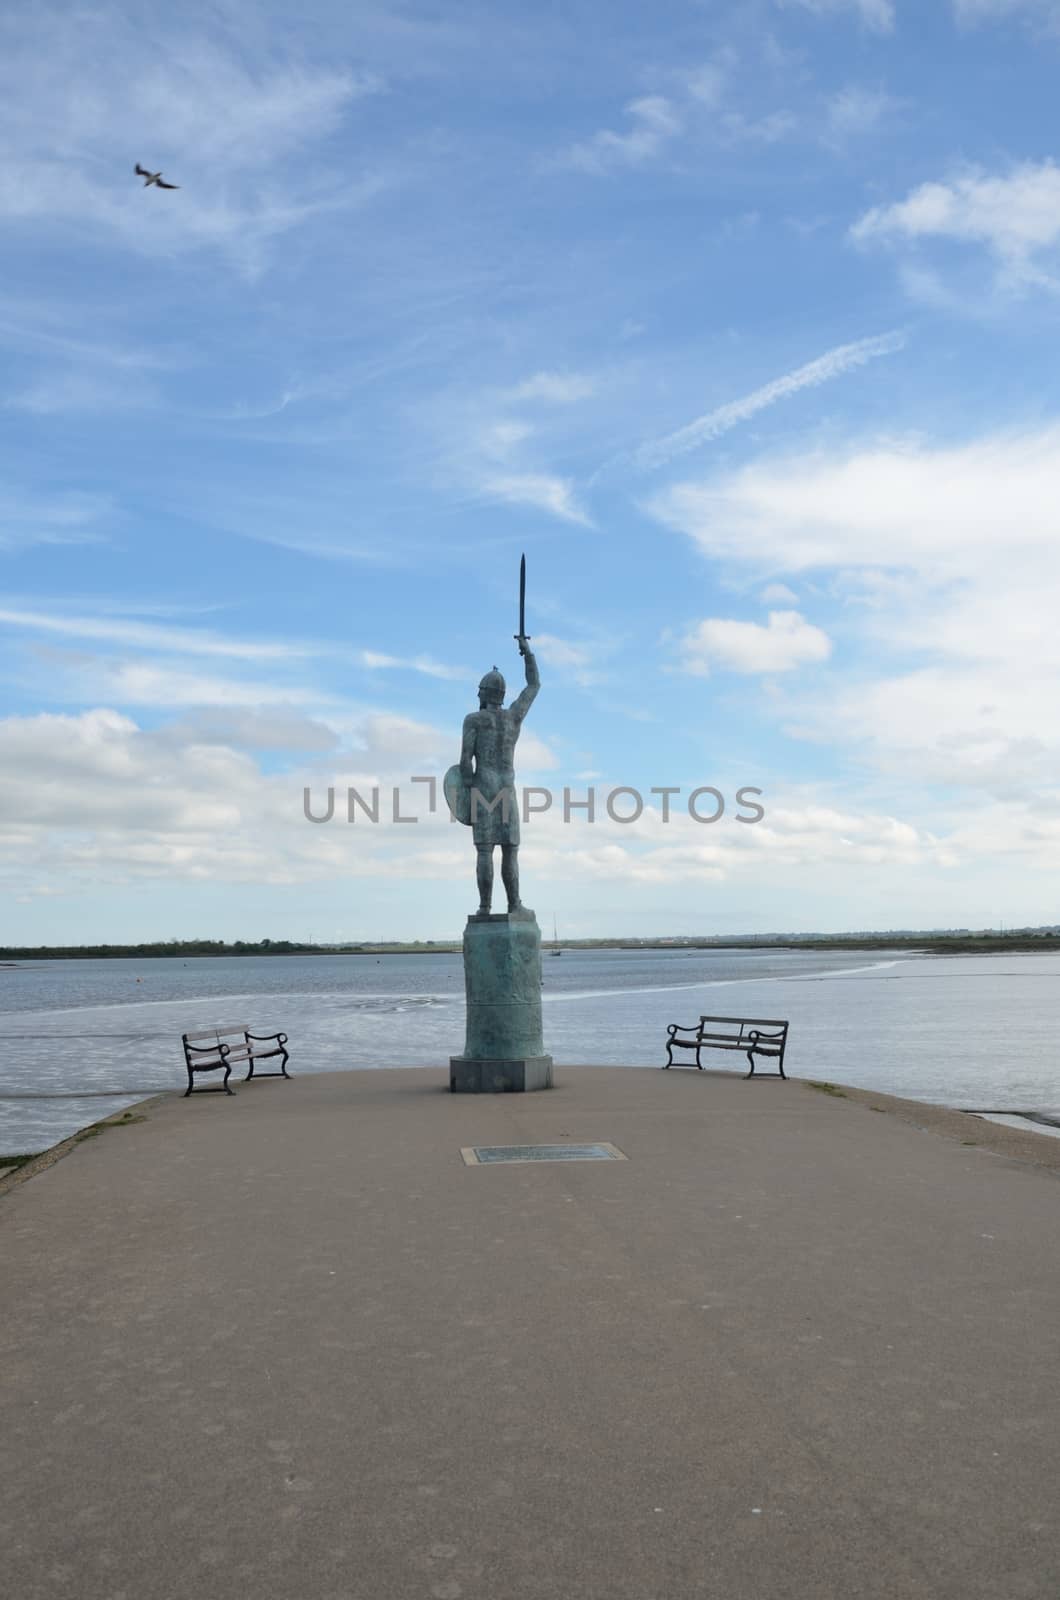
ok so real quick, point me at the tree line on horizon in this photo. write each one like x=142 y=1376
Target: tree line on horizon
x=953 y=941
x=158 y=947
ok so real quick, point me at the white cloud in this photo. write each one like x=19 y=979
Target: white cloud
x=499 y=440
x=560 y=652
x=833 y=364
x=92 y=802
x=150 y=636
x=778 y=594
x=45 y=326
x=951 y=555
x=707 y=83
x=695 y=111
x=66 y=518
x=377 y=661
x=139 y=683
x=534 y=755
x=655 y=121
x=225 y=125
x=943 y=511
x=385 y=737
x=875 y=14
x=982 y=727
x=540 y=490
x=738 y=128
x=191 y=94
x=855 y=111
x=573 y=660
x=785 y=642
x=970 y=12
x=81 y=391
x=503 y=457
x=252 y=728
x=555 y=388
x=1017 y=217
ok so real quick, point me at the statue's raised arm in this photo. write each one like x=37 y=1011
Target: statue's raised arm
x=522 y=702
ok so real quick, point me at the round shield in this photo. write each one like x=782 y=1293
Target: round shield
x=457 y=796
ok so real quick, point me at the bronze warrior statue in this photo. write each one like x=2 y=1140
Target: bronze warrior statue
x=487 y=778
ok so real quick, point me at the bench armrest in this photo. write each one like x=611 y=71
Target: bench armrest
x=673 y=1028
x=207 y=1049
x=263 y=1038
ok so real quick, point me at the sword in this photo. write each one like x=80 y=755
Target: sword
x=522 y=634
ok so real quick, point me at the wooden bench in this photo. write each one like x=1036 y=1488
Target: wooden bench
x=754 y=1038
x=222 y=1050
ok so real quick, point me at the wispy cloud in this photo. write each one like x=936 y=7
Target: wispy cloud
x=737 y=128
x=540 y=490
x=251 y=728
x=80 y=391
x=377 y=661
x=147 y=683
x=70 y=518
x=856 y=111
x=222 y=124
x=554 y=388
x=833 y=364
x=654 y=121
x=47 y=326
x=878 y=15
x=970 y=12
x=778 y=594
x=149 y=636
x=694 y=109
x=573 y=660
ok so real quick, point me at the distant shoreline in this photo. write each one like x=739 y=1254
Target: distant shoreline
x=904 y=944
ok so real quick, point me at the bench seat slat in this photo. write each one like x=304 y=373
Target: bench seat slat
x=217 y=1033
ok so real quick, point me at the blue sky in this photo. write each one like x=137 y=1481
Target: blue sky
x=740 y=320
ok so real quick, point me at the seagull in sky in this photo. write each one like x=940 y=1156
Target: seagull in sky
x=153 y=178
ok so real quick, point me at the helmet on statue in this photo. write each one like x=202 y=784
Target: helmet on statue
x=492 y=688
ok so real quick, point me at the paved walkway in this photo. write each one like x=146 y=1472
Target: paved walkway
x=289 y=1345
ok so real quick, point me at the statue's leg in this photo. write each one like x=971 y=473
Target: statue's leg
x=510 y=875
x=484 y=874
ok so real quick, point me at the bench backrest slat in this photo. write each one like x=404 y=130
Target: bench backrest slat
x=215 y=1033
x=749 y=1022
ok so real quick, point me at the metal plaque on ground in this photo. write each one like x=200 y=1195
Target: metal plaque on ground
x=481 y=1154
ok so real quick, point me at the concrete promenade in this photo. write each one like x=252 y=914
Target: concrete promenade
x=288 y=1345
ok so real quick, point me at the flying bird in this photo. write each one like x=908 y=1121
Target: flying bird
x=153 y=178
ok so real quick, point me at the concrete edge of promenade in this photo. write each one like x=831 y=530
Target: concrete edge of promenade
x=945 y=1122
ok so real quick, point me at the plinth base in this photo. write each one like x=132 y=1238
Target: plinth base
x=467 y=1076
x=504 y=1052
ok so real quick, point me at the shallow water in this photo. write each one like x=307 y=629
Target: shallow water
x=84 y=1038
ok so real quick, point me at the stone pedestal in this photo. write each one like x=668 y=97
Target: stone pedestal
x=504 y=1052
